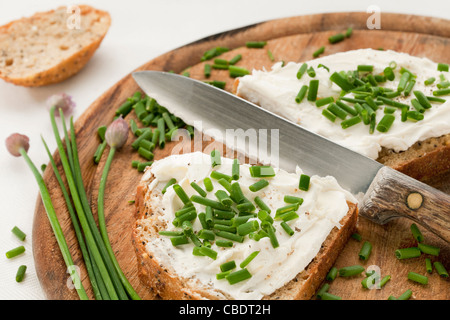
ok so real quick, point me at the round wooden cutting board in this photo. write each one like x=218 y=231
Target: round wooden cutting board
x=289 y=39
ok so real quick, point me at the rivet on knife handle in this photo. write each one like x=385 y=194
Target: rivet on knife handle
x=393 y=195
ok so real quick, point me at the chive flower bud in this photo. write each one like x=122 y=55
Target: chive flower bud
x=15 y=142
x=61 y=101
x=117 y=133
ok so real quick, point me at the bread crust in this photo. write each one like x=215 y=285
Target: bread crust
x=66 y=67
x=165 y=285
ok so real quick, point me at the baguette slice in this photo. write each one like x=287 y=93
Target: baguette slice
x=164 y=283
x=49 y=47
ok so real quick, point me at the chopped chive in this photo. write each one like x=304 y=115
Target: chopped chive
x=287 y=216
x=208 y=252
x=332 y=274
x=263 y=215
x=270 y=55
x=216 y=159
x=416 y=233
x=442 y=67
x=425 y=248
x=220 y=66
x=236 y=193
x=313 y=89
x=385 y=123
x=304 y=182
x=246 y=206
x=235 y=72
x=409 y=87
x=441 y=92
x=221 y=61
x=347 y=108
x=391 y=102
x=443 y=85
x=417 y=278
x=408 y=253
x=261 y=171
x=311 y=72
x=125 y=109
x=337 y=111
x=429 y=81
x=416 y=104
x=342 y=82
x=214 y=52
x=187 y=216
x=323 y=290
x=235 y=59
x=403 y=81
x=217 y=83
x=235 y=170
x=249 y=259
x=224 y=214
x=422 y=99
x=15 y=252
x=209 y=215
x=146 y=153
x=302 y=70
x=350 y=122
x=144 y=136
x=414 y=115
x=147 y=145
x=292 y=199
x=208 y=184
x=170 y=233
x=224 y=243
x=287 y=228
x=389 y=73
x=404 y=113
x=262 y=205
x=272 y=236
x=440 y=269
x=367 y=285
x=350 y=271
x=227 y=266
x=356 y=236
x=327 y=114
x=230 y=236
x=21 y=273
x=224 y=182
x=329 y=296
x=198 y=189
x=364 y=68
x=428 y=265
x=142 y=165
x=259 y=185
x=336 y=38
x=365 y=251
x=324 y=101
x=384 y=281
x=288 y=208
x=349 y=32
x=181 y=193
x=247 y=227
x=179 y=240
x=255 y=44
x=405 y=295
x=168 y=184
x=208 y=202
x=318 y=52
x=161 y=125
x=19 y=233
x=323 y=66
x=219 y=175
x=238 y=276
x=301 y=94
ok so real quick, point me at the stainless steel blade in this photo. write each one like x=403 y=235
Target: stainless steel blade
x=218 y=111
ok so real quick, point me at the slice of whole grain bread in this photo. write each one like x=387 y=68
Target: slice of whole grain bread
x=51 y=46
x=164 y=283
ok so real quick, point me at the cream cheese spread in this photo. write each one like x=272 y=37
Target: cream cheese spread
x=276 y=90
x=325 y=204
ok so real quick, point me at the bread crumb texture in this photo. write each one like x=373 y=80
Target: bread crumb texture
x=49 y=47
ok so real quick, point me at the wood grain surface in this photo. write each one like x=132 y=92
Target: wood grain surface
x=289 y=39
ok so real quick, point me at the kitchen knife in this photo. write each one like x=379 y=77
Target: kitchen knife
x=387 y=193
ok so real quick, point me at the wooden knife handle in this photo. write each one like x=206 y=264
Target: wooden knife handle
x=393 y=195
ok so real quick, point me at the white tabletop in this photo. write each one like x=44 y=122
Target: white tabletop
x=141 y=30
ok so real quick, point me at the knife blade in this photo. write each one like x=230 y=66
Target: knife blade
x=221 y=114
